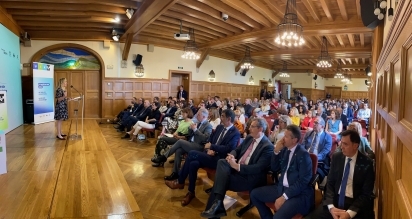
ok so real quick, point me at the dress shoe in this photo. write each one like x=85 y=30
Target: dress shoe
x=126 y=136
x=160 y=159
x=60 y=138
x=158 y=164
x=188 y=198
x=63 y=135
x=174 y=184
x=217 y=210
x=172 y=176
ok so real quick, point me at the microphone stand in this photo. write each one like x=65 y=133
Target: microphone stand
x=76 y=110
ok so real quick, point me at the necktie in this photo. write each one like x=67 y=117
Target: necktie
x=286 y=159
x=219 y=140
x=341 y=203
x=314 y=143
x=247 y=153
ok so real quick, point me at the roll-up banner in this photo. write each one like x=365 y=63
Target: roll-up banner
x=3 y=128
x=43 y=92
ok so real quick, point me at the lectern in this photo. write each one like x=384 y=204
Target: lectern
x=80 y=101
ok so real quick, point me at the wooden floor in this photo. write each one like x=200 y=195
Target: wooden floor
x=101 y=176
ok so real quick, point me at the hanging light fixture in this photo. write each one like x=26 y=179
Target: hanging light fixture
x=251 y=80
x=290 y=31
x=284 y=71
x=390 y=11
x=212 y=76
x=247 y=62
x=139 y=71
x=270 y=82
x=339 y=71
x=190 y=50
x=380 y=8
x=324 y=58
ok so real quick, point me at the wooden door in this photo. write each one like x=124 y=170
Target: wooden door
x=185 y=83
x=175 y=82
x=264 y=85
x=92 y=94
x=335 y=92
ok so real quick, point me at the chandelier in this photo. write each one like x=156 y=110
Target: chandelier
x=380 y=9
x=284 y=71
x=190 y=50
x=339 y=71
x=290 y=31
x=247 y=62
x=324 y=58
x=139 y=71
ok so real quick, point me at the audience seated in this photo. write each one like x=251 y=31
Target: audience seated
x=171 y=121
x=279 y=112
x=140 y=116
x=198 y=135
x=181 y=133
x=319 y=142
x=364 y=146
x=294 y=116
x=248 y=108
x=244 y=169
x=348 y=112
x=293 y=194
x=150 y=123
x=307 y=122
x=240 y=127
x=214 y=117
x=349 y=190
x=221 y=142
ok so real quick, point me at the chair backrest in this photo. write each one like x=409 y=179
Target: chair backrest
x=302 y=136
x=314 y=159
x=334 y=146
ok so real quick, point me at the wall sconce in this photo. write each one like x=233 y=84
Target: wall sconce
x=368 y=71
x=251 y=80
x=129 y=13
x=270 y=82
x=316 y=85
x=212 y=76
x=139 y=71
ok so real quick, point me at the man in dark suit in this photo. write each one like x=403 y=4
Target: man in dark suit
x=221 y=142
x=140 y=116
x=319 y=142
x=198 y=135
x=181 y=93
x=350 y=183
x=348 y=112
x=244 y=169
x=248 y=108
x=170 y=112
x=293 y=194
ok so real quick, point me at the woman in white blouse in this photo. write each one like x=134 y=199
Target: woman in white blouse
x=242 y=118
x=214 y=117
x=280 y=129
x=265 y=107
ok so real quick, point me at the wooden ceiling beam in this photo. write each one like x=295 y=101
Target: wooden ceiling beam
x=202 y=58
x=200 y=22
x=173 y=21
x=342 y=8
x=68 y=19
x=239 y=15
x=363 y=60
x=362 y=39
x=339 y=37
x=350 y=62
x=63 y=7
x=116 y=3
x=69 y=35
x=358 y=9
x=63 y=13
x=326 y=9
x=312 y=10
x=357 y=60
x=351 y=40
x=170 y=31
x=325 y=29
x=205 y=17
x=206 y=9
x=333 y=52
x=127 y=44
x=8 y=21
x=343 y=61
x=241 y=6
x=330 y=40
x=156 y=41
x=149 y=11
x=68 y=25
x=263 y=9
x=74 y=29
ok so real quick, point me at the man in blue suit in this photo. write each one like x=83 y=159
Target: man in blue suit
x=347 y=111
x=244 y=169
x=293 y=194
x=319 y=142
x=221 y=142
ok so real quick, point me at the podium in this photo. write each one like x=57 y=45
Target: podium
x=79 y=99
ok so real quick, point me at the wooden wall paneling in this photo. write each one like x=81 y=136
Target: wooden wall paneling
x=407 y=79
x=395 y=85
x=387 y=89
x=92 y=94
x=75 y=78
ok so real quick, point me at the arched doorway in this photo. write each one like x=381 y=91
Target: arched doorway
x=83 y=68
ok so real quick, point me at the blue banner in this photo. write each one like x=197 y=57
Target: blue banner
x=43 y=92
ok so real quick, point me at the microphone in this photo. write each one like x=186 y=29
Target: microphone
x=75 y=89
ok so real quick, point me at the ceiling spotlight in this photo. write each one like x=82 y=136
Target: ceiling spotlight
x=116 y=37
x=129 y=13
x=116 y=19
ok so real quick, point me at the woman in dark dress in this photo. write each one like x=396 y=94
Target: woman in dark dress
x=61 y=113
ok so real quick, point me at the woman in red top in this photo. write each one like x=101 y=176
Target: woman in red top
x=307 y=123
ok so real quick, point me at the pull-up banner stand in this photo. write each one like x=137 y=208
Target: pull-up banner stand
x=3 y=126
x=43 y=92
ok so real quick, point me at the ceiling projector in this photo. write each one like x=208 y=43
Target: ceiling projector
x=182 y=36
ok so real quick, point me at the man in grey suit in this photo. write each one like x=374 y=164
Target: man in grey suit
x=199 y=134
x=244 y=169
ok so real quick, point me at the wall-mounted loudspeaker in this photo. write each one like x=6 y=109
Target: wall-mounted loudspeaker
x=315 y=77
x=138 y=60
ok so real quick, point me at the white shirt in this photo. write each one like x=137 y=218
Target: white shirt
x=349 y=184
x=364 y=113
x=285 y=178
x=221 y=137
x=215 y=123
x=257 y=141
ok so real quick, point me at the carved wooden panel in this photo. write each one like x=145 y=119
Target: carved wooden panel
x=395 y=86
x=387 y=89
x=407 y=110
x=406 y=172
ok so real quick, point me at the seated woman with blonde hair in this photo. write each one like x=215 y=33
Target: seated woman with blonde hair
x=151 y=122
x=239 y=126
x=294 y=116
x=214 y=117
